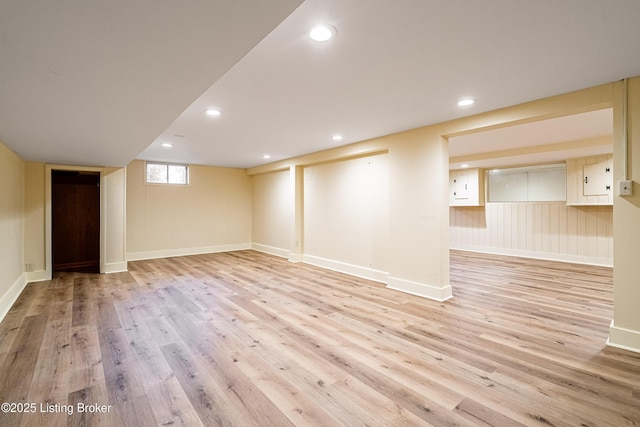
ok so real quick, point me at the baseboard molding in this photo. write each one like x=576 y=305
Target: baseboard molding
x=168 y=253
x=116 y=267
x=547 y=256
x=625 y=339
x=295 y=257
x=271 y=250
x=438 y=293
x=9 y=298
x=37 y=276
x=343 y=267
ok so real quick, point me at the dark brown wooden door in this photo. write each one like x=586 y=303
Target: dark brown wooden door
x=75 y=221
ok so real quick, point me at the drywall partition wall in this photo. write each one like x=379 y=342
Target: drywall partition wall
x=625 y=327
x=346 y=216
x=418 y=170
x=548 y=230
x=12 y=193
x=210 y=214
x=272 y=214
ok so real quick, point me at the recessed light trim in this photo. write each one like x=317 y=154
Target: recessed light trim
x=464 y=166
x=167 y=145
x=266 y=156
x=337 y=137
x=467 y=101
x=322 y=33
x=213 y=112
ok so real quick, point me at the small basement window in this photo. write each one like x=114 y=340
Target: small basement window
x=167 y=173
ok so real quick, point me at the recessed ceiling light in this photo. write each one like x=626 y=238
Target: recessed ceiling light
x=212 y=112
x=167 y=145
x=266 y=156
x=337 y=137
x=464 y=166
x=466 y=101
x=322 y=33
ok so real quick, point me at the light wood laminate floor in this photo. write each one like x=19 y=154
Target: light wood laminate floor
x=247 y=339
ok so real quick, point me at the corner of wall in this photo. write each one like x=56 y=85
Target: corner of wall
x=437 y=293
x=271 y=250
x=625 y=339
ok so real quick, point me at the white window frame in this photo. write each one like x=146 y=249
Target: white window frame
x=166 y=181
x=521 y=184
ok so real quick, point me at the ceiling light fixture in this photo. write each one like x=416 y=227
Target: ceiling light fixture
x=466 y=101
x=212 y=112
x=266 y=156
x=167 y=145
x=337 y=137
x=322 y=33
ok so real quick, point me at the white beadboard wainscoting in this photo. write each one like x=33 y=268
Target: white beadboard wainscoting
x=582 y=234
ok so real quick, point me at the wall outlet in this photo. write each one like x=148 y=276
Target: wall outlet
x=625 y=188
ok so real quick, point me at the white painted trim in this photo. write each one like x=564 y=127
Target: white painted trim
x=36 y=276
x=271 y=250
x=115 y=267
x=547 y=256
x=295 y=257
x=10 y=297
x=625 y=339
x=438 y=293
x=168 y=253
x=343 y=267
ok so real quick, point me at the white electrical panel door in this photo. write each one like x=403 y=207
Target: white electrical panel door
x=598 y=179
x=461 y=187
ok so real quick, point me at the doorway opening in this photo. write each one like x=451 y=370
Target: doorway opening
x=75 y=221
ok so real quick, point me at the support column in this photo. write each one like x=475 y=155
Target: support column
x=419 y=214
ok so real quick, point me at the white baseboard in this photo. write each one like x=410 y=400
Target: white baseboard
x=168 y=253
x=116 y=267
x=625 y=339
x=296 y=257
x=271 y=250
x=343 y=267
x=37 y=276
x=9 y=298
x=438 y=293
x=548 y=256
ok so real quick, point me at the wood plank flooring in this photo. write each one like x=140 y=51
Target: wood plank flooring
x=247 y=339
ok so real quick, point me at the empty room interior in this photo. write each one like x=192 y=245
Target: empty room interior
x=320 y=213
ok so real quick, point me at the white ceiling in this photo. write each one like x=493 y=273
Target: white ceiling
x=105 y=82
x=95 y=82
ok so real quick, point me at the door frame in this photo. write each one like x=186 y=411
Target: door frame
x=48 y=223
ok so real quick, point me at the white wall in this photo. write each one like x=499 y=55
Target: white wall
x=12 y=193
x=34 y=225
x=346 y=207
x=272 y=213
x=210 y=214
x=625 y=327
x=114 y=219
x=540 y=230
